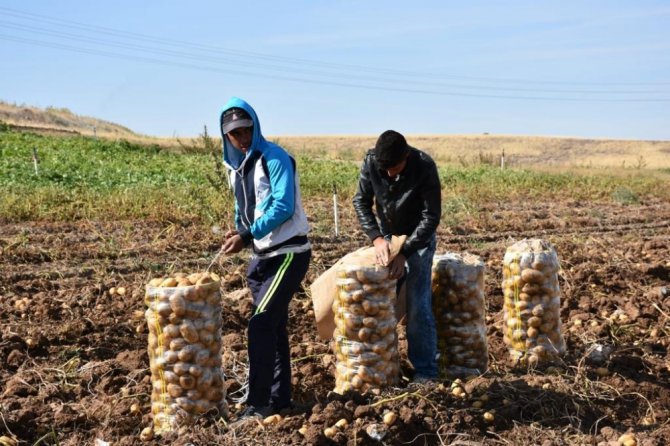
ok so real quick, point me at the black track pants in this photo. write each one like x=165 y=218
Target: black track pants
x=272 y=281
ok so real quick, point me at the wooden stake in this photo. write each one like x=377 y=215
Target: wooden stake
x=36 y=161
x=336 y=217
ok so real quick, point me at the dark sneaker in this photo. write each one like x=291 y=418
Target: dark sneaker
x=292 y=408
x=256 y=412
x=420 y=380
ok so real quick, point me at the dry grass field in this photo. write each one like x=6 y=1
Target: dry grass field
x=532 y=151
x=535 y=151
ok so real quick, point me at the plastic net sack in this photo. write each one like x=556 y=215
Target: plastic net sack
x=532 y=329
x=458 y=305
x=184 y=320
x=365 y=341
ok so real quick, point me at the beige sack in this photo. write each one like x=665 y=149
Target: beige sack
x=324 y=288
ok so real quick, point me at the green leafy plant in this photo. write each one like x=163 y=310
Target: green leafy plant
x=625 y=195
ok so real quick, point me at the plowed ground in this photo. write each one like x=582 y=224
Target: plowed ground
x=73 y=358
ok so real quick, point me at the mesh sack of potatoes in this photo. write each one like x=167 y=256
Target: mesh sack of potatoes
x=365 y=341
x=532 y=329
x=184 y=321
x=458 y=305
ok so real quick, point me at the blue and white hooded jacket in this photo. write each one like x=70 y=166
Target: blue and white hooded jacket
x=268 y=207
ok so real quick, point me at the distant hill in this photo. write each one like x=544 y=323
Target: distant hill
x=535 y=151
x=60 y=121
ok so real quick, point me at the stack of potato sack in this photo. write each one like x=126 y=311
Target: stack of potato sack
x=365 y=341
x=532 y=328
x=458 y=305
x=184 y=319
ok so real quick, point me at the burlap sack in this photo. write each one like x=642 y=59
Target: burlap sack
x=324 y=288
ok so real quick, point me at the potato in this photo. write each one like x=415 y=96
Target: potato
x=371 y=308
x=202 y=357
x=187 y=381
x=175 y=390
x=189 y=332
x=356 y=309
x=534 y=321
x=187 y=353
x=205 y=337
x=185 y=404
x=372 y=275
x=352 y=321
x=180 y=368
x=178 y=303
x=370 y=322
x=171 y=377
x=156 y=282
x=163 y=309
x=214 y=395
x=168 y=283
x=365 y=373
x=204 y=280
x=171 y=357
x=349 y=285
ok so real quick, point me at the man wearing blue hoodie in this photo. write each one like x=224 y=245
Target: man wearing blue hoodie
x=270 y=219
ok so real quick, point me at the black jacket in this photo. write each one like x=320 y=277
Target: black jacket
x=409 y=205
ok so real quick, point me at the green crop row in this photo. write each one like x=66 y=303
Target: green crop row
x=82 y=177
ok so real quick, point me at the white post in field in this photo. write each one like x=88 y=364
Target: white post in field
x=336 y=217
x=502 y=160
x=36 y=161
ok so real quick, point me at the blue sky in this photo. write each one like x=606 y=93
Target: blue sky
x=162 y=67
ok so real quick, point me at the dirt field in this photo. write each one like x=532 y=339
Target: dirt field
x=73 y=361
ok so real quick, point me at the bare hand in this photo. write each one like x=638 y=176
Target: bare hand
x=382 y=251
x=229 y=233
x=233 y=244
x=397 y=267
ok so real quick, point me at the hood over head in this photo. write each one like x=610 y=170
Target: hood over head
x=232 y=157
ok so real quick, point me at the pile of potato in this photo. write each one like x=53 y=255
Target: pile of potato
x=184 y=320
x=532 y=329
x=365 y=341
x=458 y=305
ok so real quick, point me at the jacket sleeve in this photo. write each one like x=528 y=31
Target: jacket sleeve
x=282 y=205
x=363 y=201
x=431 y=196
x=238 y=220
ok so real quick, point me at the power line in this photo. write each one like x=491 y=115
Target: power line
x=313 y=81
x=191 y=56
x=254 y=55
x=242 y=59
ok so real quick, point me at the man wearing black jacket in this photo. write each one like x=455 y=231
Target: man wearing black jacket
x=404 y=186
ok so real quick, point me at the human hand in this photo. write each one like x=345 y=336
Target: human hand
x=397 y=266
x=382 y=251
x=229 y=233
x=233 y=244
